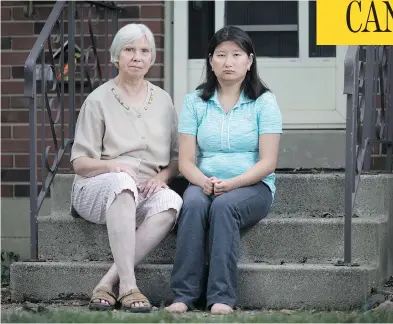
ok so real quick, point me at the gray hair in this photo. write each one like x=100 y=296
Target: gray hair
x=127 y=35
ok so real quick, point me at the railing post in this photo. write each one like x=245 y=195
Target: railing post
x=351 y=89
x=30 y=83
x=71 y=67
x=369 y=113
x=389 y=109
x=350 y=161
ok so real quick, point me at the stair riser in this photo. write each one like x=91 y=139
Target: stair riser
x=272 y=240
x=296 y=193
x=262 y=287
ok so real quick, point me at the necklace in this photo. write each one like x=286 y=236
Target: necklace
x=121 y=102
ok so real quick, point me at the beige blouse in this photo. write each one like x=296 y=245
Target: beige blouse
x=145 y=138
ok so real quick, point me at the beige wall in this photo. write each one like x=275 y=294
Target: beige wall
x=15 y=224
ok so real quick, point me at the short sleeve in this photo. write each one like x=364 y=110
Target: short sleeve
x=270 y=118
x=188 y=123
x=89 y=132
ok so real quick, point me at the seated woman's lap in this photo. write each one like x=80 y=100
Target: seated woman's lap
x=251 y=203
x=92 y=198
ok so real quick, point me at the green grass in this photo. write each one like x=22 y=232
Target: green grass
x=84 y=316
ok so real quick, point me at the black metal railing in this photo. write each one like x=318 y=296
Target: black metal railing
x=368 y=84
x=69 y=59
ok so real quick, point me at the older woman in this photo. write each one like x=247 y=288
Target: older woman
x=124 y=154
x=234 y=123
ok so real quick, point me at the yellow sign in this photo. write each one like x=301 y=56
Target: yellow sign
x=354 y=22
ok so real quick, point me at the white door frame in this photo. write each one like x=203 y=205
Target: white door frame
x=180 y=52
x=181 y=63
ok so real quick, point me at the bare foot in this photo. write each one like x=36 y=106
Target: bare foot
x=101 y=301
x=106 y=288
x=177 y=308
x=221 y=309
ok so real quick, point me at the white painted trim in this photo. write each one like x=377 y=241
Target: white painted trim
x=303 y=30
x=168 y=47
x=340 y=97
x=219 y=14
x=180 y=52
x=261 y=28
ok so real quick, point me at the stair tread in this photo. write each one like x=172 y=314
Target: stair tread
x=271 y=218
x=259 y=285
x=242 y=265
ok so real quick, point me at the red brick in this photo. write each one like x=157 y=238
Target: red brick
x=22 y=116
x=5 y=13
x=5 y=102
x=7 y=161
x=23 y=43
x=14 y=58
x=23 y=131
x=5 y=131
x=23 y=161
x=21 y=146
x=378 y=162
x=14 y=146
x=156 y=27
x=5 y=72
x=159 y=57
x=7 y=190
x=22 y=103
x=19 y=102
x=39 y=13
x=12 y=4
x=156 y=11
x=156 y=72
x=14 y=116
x=139 y=2
x=8 y=87
x=158 y=83
x=159 y=40
x=16 y=28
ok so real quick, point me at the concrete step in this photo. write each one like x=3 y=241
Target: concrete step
x=314 y=193
x=274 y=239
x=317 y=286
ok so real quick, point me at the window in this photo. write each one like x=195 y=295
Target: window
x=272 y=25
x=315 y=50
x=200 y=27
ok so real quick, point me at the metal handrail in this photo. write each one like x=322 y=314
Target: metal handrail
x=41 y=66
x=368 y=72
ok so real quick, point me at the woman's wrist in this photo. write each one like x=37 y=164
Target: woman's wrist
x=236 y=182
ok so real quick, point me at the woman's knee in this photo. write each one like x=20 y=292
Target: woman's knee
x=222 y=207
x=194 y=199
x=126 y=196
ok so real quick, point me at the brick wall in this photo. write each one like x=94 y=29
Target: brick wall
x=19 y=33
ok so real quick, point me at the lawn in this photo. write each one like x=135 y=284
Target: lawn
x=83 y=315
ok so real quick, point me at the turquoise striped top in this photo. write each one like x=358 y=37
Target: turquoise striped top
x=228 y=142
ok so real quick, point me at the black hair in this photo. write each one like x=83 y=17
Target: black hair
x=252 y=85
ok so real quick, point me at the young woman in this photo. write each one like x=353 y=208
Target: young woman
x=229 y=139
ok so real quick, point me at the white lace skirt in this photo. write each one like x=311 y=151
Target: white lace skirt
x=91 y=197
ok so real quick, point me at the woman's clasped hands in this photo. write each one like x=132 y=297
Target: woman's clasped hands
x=214 y=186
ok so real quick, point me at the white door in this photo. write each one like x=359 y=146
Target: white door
x=307 y=79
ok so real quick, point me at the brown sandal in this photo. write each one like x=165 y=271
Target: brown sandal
x=103 y=294
x=134 y=296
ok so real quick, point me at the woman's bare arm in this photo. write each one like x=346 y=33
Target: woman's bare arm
x=187 y=167
x=88 y=167
x=268 y=152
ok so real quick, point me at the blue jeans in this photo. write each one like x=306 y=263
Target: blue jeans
x=217 y=220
